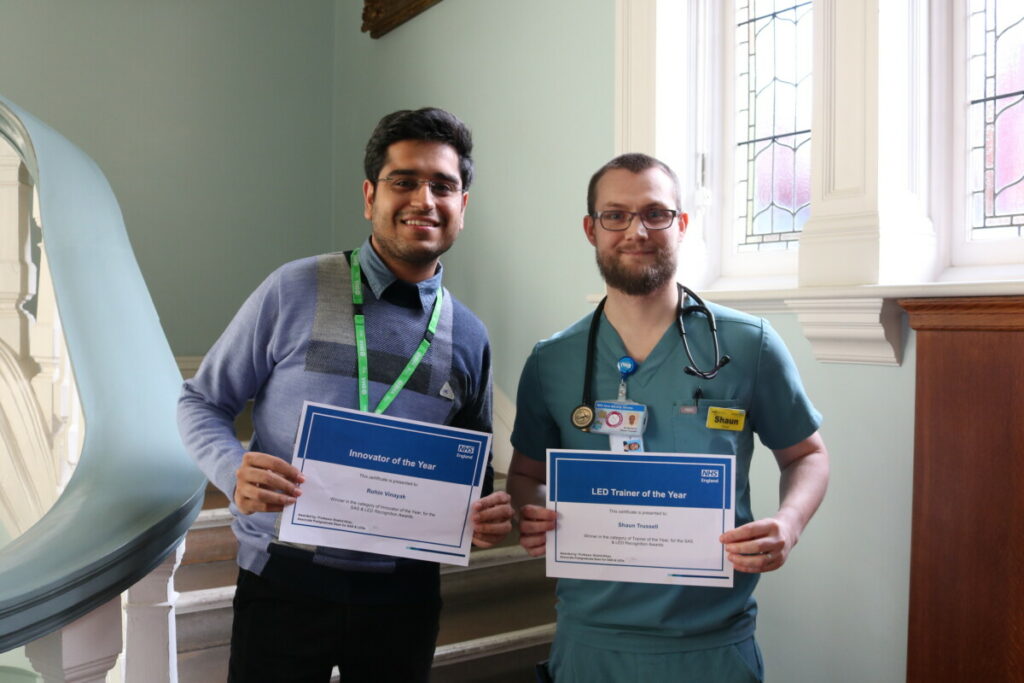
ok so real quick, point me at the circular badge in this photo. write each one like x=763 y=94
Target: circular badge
x=627 y=366
x=582 y=416
x=614 y=419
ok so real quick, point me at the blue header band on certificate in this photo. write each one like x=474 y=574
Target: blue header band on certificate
x=640 y=480
x=370 y=442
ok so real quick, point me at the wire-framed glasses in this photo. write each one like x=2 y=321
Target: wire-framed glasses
x=404 y=184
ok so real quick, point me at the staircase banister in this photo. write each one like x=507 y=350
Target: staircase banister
x=134 y=491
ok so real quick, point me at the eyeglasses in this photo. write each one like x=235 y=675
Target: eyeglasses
x=403 y=184
x=653 y=219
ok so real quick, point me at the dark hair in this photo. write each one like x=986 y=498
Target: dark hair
x=634 y=163
x=428 y=124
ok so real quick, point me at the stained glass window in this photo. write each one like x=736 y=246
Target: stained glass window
x=995 y=127
x=773 y=122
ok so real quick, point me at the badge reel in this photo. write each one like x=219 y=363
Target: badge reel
x=622 y=420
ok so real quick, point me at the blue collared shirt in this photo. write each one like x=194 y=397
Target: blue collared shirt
x=380 y=278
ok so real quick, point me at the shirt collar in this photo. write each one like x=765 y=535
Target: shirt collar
x=379 y=277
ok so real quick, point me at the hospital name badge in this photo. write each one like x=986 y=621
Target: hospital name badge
x=731 y=419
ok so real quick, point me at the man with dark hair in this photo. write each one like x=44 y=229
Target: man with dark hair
x=617 y=631
x=299 y=611
x=429 y=125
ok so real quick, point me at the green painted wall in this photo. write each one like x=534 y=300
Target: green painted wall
x=534 y=80
x=838 y=610
x=212 y=121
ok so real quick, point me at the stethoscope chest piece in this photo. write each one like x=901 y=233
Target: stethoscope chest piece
x=582 y=417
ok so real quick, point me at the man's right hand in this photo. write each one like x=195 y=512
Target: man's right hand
x=265 y=483
x=534 y=524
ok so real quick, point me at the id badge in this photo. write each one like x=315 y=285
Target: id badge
x=619 y=417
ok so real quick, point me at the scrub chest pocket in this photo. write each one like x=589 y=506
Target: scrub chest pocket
x=711 y=425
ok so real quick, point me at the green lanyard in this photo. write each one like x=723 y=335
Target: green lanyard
x=360 y=324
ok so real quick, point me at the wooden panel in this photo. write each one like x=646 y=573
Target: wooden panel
x=966 y=313
x=967 y=555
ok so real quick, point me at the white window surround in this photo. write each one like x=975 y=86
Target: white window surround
x=870 y=238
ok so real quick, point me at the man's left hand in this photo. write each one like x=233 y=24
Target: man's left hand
x=760 y=546
x=492 y=519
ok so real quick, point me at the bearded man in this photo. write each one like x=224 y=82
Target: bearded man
x=634 y=343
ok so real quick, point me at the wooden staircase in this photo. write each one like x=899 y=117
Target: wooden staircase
x=498 y=617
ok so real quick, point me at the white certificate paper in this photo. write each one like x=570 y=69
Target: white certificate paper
x=647 y=518
x=385 y=485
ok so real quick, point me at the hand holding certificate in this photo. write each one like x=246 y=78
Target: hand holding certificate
x=648 y=518
x=385 y=485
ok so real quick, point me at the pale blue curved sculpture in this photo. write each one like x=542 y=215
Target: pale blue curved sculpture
x=135 y=491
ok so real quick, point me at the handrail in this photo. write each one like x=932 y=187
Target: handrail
x=134 y=492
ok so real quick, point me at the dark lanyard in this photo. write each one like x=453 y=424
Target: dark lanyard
x=583 y=414
x=363 y=361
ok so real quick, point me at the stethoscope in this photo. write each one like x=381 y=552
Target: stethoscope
x=583 y=414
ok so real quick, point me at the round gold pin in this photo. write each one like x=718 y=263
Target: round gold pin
x=582 y=416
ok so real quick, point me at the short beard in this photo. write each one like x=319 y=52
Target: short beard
x=407 y=253
x=641 y=281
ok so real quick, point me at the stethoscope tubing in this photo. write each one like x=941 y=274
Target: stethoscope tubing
x=583 y=415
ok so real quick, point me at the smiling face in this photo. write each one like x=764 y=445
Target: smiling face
x=637 y=261
x=411 y=229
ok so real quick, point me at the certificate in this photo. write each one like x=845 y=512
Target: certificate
x=646 y=518
x=385 y=485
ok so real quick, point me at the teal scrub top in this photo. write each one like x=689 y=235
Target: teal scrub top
x=761 y=379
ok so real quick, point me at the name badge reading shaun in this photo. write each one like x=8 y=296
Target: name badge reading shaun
x=726 y=418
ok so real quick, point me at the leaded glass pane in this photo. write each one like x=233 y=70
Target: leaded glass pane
x=773 y=122
x=995 y=122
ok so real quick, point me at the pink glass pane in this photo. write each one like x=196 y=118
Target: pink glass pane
x=784 y=181
x=1009 y=159
x=803 y=174
x=1009 y=166
x=763 y=179
x=995 y=67
x=1009 y=48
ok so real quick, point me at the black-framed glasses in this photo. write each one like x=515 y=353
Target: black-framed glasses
x=404 y=184
x=653 y=219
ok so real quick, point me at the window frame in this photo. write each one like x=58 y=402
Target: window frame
x=963 y=259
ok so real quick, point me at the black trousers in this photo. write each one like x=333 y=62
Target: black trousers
x=283 y=635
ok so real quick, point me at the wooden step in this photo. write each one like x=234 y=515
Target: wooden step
x=206 y=575
x=506 y=658
x=214 y=498
x=210 y=539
